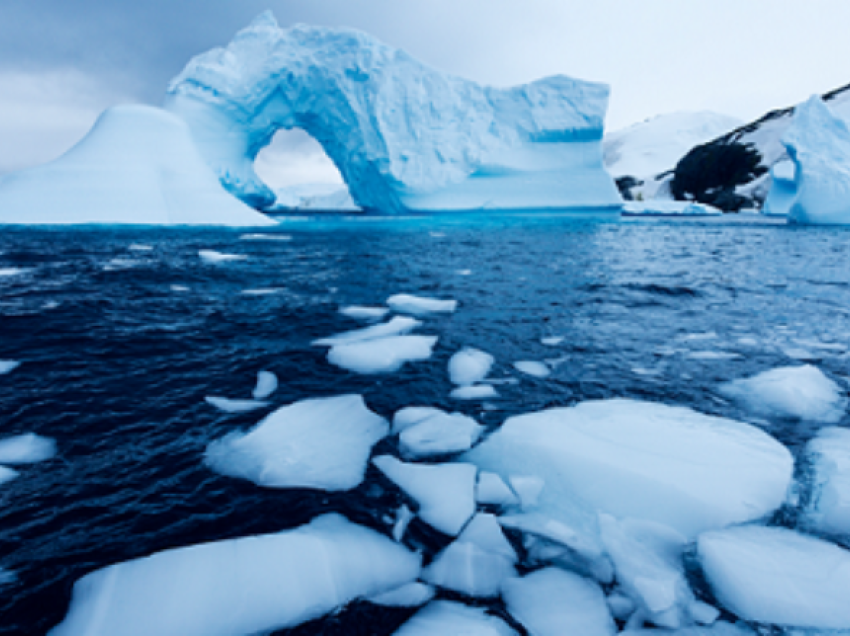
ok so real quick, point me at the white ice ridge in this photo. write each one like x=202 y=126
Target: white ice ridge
x=802 y=392
x=241 y=586
x=404 y=136
x=138 y=165
x=828 y=509
x=775 y=575
x=672 y=465
x=442 y=618
x=818 y=143
x=27 y=448
x=320 y=443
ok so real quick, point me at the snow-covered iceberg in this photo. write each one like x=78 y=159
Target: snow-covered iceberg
x=246 y=586
x=138 y=165
x=404 y=136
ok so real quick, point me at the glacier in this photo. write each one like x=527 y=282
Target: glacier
x=404 y=137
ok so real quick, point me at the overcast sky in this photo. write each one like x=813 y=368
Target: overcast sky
x=63 y=61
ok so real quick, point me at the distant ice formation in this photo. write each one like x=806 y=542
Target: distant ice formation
x=404 y=136
x=138 y=165
x=669 y=208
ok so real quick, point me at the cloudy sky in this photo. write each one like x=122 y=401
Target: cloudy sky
x=63 y=61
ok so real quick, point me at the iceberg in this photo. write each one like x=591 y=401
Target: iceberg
x=320 y=443
x=777 y=576
x=442 y=618
x=828 y=509
x=440 y=434
x=138 y=165
x=381 y=355
x=818 y=143
x=404 y=137
x=469 y=366
x=27 y=448
x=243 y=586
x=802 y=392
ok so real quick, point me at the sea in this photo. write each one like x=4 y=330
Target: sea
x=122 y=333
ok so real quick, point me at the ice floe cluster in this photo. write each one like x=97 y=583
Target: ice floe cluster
x=603 y=517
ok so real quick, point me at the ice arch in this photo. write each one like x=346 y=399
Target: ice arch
x=404 y=136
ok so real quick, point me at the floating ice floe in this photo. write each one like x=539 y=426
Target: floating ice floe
x=396 y=327
x=382 y=355
x=441 y=618
x=554 y=602
x=250 y=585
x=179 y=288
x=320 y=443
x=28 y=448
x=533 y=368
x=266 y=385
x=552 y=341
x=777 y=576
x=477 y=563
x=713 y=355
x=649 y=461
x=445 y=492
x=828 y=510
x=262 y=291
x=491 y=489
x=410 y=415
x=136 y=247
x=469 y=366
x=409 y=595
x=235 y=406
x=12 y=271
x=419 y=306
x=266 y=237
x=720 y=628
x=7 y=474
x=364 y=313
x=7 y=366
x=802 y=392
x=212 y=256
x=438 y=434
x=474 y=392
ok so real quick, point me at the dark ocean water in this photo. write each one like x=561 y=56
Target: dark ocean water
x=117 y=362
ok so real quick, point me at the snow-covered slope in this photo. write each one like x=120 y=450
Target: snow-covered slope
x=656 y=145
x=137 y=165
x=404 y=136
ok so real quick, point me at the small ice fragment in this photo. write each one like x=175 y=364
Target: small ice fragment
x=266 y=385
x=469 y=366
x=437 y=234
x=445 y=492
x=417 y=305
x=533 y=368
x=552 y=341
x=235 y=406
x=364 y=313
x=410 y=415
x=703 y=613
x=28 y=448
x=620 y=605
x=136 y=247
x=440 y=434
x=398 y=326
x=7 y=366
x=404 y=516
x=469 y=569
x=7 y=577
x=748 y=342
x=698 y=337
x=444 y=618
x=491 y=489
x=266 y=237
x=179 y=288
x=263 y=291
x=713 y=355
x=211 y=256
x=11 y=271
x=321 y=443
x=384 y=355
x=7 y=474
x=464 y=272
x=410 y=595
x=474 y=392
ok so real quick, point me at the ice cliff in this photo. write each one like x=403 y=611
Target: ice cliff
x=404 y=136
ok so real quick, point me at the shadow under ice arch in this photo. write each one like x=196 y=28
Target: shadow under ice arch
x=404 y=136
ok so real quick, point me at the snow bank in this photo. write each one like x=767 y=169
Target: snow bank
x=420 y=306
x=802 y=392
x=442 y=618
x=469 y=366
x=404 y=136
x=240 y=586
x=775 y=575
x=137 y=165
x=671 y=465
x=828 y=509
x=28 y=448
x=321 y=443
x=382 y=355
x=440 y=434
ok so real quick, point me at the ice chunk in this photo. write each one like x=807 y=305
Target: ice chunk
x=468 y=569
x=263 y=291
x=469 y=366
x=7 y=474
x=384 y=355
x=552 y=341
x=364 y=313
x=444 y=618
x=320 y=443
x=266 y=385
x=28 y=448
x=554 y=602
x=455 y=146
x=403 y=518
x=445 y=492
x=439 y=434
x=474 y=392
x=410 y=415
x=533 y=368
x=527 y=488
x=802 y=392
x=179 y=288
x=419 y=306
x=672 y=465
x=395 y=327
x=7 y=366
x=235 y=406
x=250 y=585
x=410 y=595
x=828 y=510
x=718 y=629
x=491 y=489
x=137 y=247
x=137 y=165
x=212 y=256
x=775 y=575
